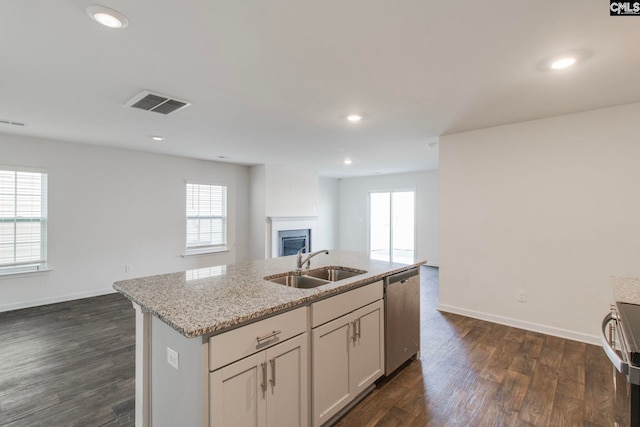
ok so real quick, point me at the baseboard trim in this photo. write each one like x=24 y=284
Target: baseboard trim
x=521 y=324
x=53 y=300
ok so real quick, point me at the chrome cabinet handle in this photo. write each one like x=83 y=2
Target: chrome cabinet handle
x=263 y=383
x=359 y=327
x=273 y=372
x=268 y=336
x=355 y=334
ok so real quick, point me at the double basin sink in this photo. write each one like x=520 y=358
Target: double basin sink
x=306 y=279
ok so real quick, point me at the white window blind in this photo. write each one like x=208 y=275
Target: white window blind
x=23 y=221
x=206 y=216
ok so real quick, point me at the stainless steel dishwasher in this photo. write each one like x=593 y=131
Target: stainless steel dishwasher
x=401 y=318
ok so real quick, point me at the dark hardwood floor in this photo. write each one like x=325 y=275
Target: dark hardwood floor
x=72 y=364
x=68 y=364
x=475 y=373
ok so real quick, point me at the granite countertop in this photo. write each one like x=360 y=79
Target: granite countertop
x=208 y=300
x=626 y=289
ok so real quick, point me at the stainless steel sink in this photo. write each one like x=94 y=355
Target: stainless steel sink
x=306 y=279
x=333 y=274
x=298 y=281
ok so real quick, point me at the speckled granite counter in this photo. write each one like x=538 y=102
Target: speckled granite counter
x=626 y=289
x=208 y=300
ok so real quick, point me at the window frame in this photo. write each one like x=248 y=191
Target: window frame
x=33 y=265
x=200 y=249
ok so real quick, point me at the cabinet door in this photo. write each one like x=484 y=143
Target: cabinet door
x=237 y=394
x=367 y=350
x=330 y=368
x=287 y=389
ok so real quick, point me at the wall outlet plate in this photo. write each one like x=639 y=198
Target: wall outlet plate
x=173 y=358
x=522 y=296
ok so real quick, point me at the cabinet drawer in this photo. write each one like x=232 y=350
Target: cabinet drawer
x=339 y=305
x=234 y=345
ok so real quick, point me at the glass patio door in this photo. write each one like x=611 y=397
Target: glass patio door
x=391 y=226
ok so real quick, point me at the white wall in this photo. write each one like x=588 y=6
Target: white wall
x=108 y=208
x=258 y=212
x=551 y=207
x=291 y=191
x=354 y=205
x=328 y=214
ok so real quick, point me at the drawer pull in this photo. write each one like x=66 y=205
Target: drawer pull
x=268 y=336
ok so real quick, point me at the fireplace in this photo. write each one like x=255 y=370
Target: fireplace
x=287 y=235
x=291 y=241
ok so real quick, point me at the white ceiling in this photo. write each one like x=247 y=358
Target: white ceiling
x=271 y=81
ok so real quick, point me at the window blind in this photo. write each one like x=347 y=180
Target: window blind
x=206 y=216
x=23 y=219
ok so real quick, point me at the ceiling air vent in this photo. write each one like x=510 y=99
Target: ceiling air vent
x=158 y=103
x=10 y=122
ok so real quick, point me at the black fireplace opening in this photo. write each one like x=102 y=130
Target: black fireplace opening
x=291 y=241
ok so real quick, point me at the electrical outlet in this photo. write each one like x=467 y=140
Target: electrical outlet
x=173 y=358
x=522 y=295
x=128 y=268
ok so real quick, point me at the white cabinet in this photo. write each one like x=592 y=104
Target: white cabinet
x=366 y=353
x=267 y=388
x=330 y=368
x=236 y=394
x=287 y=388
x=347 y=355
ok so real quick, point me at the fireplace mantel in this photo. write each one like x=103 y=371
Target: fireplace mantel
x=283 y=223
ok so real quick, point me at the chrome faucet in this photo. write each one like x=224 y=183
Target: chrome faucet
x=300 y=262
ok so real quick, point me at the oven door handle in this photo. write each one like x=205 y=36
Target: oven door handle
x=621 y=365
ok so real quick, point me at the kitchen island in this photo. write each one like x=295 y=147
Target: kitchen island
x=192 y=327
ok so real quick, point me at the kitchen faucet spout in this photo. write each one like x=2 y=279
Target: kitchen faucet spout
x=300 y=262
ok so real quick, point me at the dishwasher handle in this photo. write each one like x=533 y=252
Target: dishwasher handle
x=402 y=277
x=618 y=362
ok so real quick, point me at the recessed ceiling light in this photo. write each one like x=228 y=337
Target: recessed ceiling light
x=107 y=17
x=157 y=138
x=564 y=60
x=562 y=63
x=347 y=161
x=354 y=117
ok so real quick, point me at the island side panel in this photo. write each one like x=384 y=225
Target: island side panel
x=178 y=395
x=143 y=359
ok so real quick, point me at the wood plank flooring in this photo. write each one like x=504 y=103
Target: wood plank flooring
x=475 y=373
x=72 y=364
x=68 y=364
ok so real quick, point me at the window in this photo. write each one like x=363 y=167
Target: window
x=206 y=218
x=23 y=221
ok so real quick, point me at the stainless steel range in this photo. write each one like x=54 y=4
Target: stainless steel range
x=620 y=337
